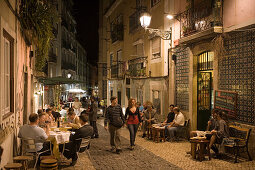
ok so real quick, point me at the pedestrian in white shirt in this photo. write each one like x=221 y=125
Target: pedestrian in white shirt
x=177 y=123
x=76 y=106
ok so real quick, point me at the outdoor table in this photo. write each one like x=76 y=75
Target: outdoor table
x=203 y=147
x=158 y=133
x=58 y=137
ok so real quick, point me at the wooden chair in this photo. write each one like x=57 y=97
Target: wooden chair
x=17 y=166
x=23 y=160
x=182 y=132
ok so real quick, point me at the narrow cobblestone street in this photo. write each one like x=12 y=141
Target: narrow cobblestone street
x=148 y=155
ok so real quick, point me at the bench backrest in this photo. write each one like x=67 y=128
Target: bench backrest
x=239 y=133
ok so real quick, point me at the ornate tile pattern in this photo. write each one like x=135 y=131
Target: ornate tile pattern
x=182 y=78
x=237 y=72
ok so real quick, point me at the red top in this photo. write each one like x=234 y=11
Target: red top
x=132 y=116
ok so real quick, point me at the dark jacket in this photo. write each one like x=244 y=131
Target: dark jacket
x=74 y=145
x=84 y=131
x=113 y=112
x=93 y=112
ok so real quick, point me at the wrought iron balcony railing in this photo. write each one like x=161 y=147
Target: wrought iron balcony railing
x=137 y=67
x=117 y=70
x=200 y=17
x=52 y=57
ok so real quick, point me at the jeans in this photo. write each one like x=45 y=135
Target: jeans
x=172 y=131
x=132 y=130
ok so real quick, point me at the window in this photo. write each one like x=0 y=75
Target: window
x=154 y=2
x=128 y=93
x=119 y=55
x=156 y=47
x=117 y=31
x=139 y=50
x=111 y=59
x=134 y=22
x=8 y=74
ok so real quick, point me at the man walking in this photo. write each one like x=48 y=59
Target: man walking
x=93 y=118
x=115 y=118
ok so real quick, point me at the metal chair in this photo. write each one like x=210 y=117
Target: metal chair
x=29 y=147
x=83 y=147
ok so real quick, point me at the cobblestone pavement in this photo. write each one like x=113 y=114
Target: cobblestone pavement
x=149 y=155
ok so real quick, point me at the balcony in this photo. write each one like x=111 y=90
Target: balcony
x=137 y=67
x=117 y=71
x=52 y=57
x=203 y=20
x=68 y=66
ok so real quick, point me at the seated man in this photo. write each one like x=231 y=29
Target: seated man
x=85 y=131
x=63 y=111
x=177 y=122
x=149 y=117
x=32 y=131
x=210 y=125
x=73 y=120
x=170 y=118
x=220 y=131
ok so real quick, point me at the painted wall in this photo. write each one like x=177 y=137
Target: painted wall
x=237 y=14
x=11 y=124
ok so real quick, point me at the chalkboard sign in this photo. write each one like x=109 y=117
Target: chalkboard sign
x=226 y=101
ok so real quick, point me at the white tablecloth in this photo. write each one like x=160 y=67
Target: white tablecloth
x=61 y=137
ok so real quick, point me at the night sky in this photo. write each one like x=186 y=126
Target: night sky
x=86 y=16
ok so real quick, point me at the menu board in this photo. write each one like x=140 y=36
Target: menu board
x=226 y=101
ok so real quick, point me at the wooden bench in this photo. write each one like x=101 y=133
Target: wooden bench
x=240 y=136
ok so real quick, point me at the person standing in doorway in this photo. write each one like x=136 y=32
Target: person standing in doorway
x=115 y=118
x=133 y=120
x=93 y=118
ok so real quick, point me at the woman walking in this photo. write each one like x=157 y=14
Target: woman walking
x=133 y=120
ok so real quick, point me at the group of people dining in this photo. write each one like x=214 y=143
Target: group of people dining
x=44 y=120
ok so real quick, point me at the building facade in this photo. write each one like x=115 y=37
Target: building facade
x=213 y=53
x=137 y=62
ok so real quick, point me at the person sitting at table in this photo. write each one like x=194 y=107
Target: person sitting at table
x=33 y=131
x=84 y=131
x=73 y=120
x=42 y=120
x=177 y=122
x=148 y=117
x=49 y=116
x=220 y=131
x=211 y=124
x=63 y=111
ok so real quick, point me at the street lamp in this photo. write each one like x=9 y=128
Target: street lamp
x=145 y=20
x=69 y=75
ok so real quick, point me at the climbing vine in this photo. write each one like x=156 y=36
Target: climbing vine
x=37 y=17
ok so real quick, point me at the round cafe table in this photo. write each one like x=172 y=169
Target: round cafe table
x=203 y=145
x=58 y=137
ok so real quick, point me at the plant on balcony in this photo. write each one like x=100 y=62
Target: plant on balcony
x=37 y=18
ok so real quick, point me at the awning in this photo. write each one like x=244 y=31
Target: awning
x=76 y=91
x=58 y=81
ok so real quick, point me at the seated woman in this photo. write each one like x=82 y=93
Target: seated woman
x=221 y=131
